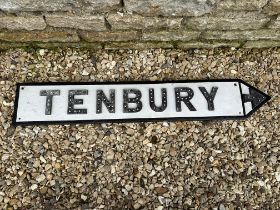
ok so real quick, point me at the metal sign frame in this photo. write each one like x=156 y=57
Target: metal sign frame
x=265 y=99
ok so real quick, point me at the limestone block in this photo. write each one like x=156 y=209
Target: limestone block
x=228 y=21
x=262 y=44
x=94 y=23
x=101 y=5
x=170 y=35
x=40 y=36
x=170 y=7
x=90 y=36
x=127 y=21
x=239 y=5
x=37 y=5
x=243 y=35
x=58 y=5
x=22 y=23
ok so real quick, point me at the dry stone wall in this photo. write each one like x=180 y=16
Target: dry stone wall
x=118 y=24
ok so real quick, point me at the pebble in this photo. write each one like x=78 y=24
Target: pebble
x=128 y=187
x=43 y=159
x=42 y=52
x=5 y=157
x=173 y=152
x=40 y=178
x=130 y=131
x=110 y=154
x=161 y=190
x=85 y=73
x=222 y=207
x=57 y=165
x=233 y=72
x=83 y=197
x=34 y=187
x=277 y=176
x=199 y=150
x=48 y=166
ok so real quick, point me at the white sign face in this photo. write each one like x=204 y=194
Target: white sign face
x=144 y=101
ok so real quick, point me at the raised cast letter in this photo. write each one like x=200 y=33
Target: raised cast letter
x=163 y=100
x=136 y=100
x=72 y=101
x=185 y=99
x=49 y=100
x=209 y=97
x=110 y=104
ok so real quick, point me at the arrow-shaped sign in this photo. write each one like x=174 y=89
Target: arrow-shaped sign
x=57 y=103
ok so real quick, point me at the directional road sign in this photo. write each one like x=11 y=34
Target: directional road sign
x=60 y=103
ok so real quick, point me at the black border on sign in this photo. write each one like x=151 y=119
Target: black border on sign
x=18 y=85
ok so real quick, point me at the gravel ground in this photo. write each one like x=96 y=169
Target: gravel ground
x=179 y=165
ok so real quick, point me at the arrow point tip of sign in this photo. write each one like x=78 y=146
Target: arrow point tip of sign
x=252 y=98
